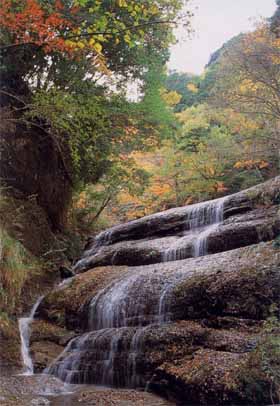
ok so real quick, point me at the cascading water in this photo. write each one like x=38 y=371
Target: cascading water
x=24 y=324
x=214 y=215
x=203 y=219
x=120 y=315
x=24 y=329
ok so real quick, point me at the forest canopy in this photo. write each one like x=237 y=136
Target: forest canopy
x=227 y=135
x=64 y=71
x=98 y=122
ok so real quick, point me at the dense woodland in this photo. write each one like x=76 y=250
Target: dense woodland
x=70 y=125
x=96 y=131
x=78 y=138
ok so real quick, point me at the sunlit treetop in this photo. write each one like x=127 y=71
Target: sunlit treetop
x=89 y=27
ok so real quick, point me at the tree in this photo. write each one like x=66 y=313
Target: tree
x=249 y=75
x=179 y=82
x=248 y=81
x=120 y=37
x=193 y=89
x=61 y=61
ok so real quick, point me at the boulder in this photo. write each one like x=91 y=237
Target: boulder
x=212 y=377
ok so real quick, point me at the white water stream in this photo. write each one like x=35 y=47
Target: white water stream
x=25 y=330
x=203 y=219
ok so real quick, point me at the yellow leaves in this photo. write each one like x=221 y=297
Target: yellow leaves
x=82 y=201
x=134 y=207
x=70 y=44
x=98 y=47
x=100 y=37
x=171 y=98
x=211 y=171
x=195 y=117
x=77 y=31
x=192 y=88
x=127 y=38
x=92 y=43
x=146 y=160
x=137 y=8
x=80 y=45
x=248 y=85
x=122 y=3
x=239 y=165
x=275 y=59
x=263 y=164
x=100 y=63
x=154 y=9
x=236 y=122
x=95 y=45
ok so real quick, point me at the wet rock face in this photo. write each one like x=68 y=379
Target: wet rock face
x=133 y=253
x=221 y=300
x=172 y=221
x=237 y=231
x=224 y=224
x=242 y=282
x=155 y=345
x=208 y=378
x=190 y=328
x=67 y=305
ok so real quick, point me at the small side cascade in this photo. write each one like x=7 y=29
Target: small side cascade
x=24 y=329
x=203 y=219
x=104 y=238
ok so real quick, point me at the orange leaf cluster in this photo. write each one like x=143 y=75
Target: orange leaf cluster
x=160 y=190
x=250 y=164
x=31 y=23
x=220 y=187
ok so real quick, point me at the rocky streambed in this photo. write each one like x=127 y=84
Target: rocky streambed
x=19 y=390
x=184 y=303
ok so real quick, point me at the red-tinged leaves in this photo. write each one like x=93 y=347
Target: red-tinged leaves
x=31 y=23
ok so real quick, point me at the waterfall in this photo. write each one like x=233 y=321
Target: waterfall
x=202 y=220
x=213 y=217
x=120 y=315
x=24 y=329
x=134 y=379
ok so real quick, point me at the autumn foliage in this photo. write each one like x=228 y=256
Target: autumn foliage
x=28 y=22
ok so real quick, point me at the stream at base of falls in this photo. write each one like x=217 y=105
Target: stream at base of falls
x=120 y=316
x=27 y=390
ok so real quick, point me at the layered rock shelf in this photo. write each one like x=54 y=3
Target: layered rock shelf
x=249 y=217
x=176 y=302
